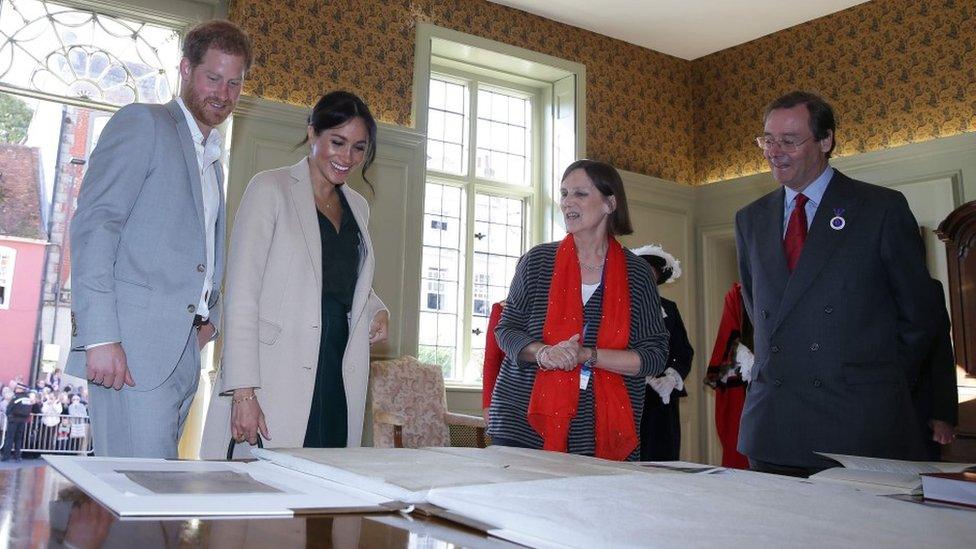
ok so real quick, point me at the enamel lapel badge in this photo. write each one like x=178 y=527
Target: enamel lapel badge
x=838 y=222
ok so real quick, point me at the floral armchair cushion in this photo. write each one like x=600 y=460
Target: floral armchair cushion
x=410 y=393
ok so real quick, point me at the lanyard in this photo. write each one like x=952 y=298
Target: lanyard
x=586 y=371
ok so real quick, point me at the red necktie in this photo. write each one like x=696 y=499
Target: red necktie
x=796 y=232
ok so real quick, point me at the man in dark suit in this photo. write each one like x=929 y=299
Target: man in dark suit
x=936 y=394
x=834 y=279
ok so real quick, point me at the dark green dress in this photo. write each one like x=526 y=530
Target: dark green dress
x=327 y=427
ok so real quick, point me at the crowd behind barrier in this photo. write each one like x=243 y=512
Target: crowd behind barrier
x=46 y=417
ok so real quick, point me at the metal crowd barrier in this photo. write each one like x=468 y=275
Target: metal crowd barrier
x=70 y=435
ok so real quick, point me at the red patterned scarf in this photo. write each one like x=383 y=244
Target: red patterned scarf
x=555 y=394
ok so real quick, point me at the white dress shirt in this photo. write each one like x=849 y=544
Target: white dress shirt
x=208 y=149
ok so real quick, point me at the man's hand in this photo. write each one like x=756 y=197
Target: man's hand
x=942 y=432
x=379 y=328
x=88 y=524
x=247 y=418
x=106 y=366
x=205 y=333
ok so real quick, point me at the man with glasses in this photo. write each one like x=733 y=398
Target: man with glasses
x=833 y=277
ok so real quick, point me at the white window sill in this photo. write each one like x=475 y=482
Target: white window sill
x=462 y=387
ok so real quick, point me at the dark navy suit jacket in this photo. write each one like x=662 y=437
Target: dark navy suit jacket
x=838 y=342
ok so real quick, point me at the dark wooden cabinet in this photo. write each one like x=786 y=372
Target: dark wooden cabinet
x=958 y=231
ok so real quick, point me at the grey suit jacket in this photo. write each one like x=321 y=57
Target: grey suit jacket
x=138 y=243
x=840 y=340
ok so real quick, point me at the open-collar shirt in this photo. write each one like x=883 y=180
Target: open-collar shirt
x=208 y=150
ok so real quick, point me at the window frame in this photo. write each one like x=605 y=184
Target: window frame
x=178 y=16
x=471 y=185
x=562 y=85
x=7 y=282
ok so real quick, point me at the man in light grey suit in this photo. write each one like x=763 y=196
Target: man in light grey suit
x=834 y=279
x=147 y=251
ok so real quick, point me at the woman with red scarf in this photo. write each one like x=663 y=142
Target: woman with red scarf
x=580 y=331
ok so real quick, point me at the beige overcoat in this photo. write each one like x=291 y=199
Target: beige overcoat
x=273 y=312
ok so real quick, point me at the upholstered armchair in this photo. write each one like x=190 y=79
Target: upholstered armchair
x=409 y=408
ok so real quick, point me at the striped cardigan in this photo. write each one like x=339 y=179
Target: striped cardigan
x=521 y=324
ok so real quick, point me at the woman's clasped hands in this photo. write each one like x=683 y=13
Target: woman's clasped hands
x=564 y=355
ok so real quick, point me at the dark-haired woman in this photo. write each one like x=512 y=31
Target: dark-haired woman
x=580 y=330
x=300 y=313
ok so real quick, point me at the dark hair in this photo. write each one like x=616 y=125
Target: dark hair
x=220 y=34
x=337 y=108
x=660 y=266
x=607 y=180
x=822 y=122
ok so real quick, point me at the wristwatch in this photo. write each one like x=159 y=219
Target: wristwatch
x=591 y=362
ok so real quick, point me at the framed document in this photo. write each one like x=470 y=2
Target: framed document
x=158 y=488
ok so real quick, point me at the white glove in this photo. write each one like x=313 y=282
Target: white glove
x=666 y=384
x=744 y=359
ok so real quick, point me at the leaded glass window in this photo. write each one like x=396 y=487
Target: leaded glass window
x=63 y=52
x=477 y=204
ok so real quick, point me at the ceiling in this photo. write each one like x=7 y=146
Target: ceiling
x=683 y=28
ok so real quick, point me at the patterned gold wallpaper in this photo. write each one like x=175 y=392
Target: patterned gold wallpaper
x=638 y=101
x=896 y=72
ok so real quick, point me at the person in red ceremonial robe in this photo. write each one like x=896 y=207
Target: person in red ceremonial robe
x=728 y=373
x=493 y=358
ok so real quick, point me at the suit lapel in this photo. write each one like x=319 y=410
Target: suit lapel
x=190 y=158
x=303 y=202
x=770 y=229
x=821 y=241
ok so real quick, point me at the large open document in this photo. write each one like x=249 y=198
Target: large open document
x=154 y=488
x=729 y=510
x=408 y=474
x=531 y=497
x=884 y=476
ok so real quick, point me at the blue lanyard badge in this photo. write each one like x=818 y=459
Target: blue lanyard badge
x=585 y=371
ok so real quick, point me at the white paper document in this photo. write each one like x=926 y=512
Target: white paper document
x=883 y=476
x=682 y=467
x=407 y=474
x=735 y=510
x=157 y=488
x=897 y=466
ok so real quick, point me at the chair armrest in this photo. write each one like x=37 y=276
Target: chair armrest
x=472 y=422
x=389 y=418
x=452 y=418
x=396 y=421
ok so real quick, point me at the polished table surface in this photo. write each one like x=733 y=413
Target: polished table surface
x=41 y=508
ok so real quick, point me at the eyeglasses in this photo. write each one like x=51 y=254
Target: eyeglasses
x=786 y=144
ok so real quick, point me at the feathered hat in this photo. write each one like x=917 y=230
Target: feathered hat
x=668 y=268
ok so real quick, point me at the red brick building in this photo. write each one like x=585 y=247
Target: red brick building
x=22 y=246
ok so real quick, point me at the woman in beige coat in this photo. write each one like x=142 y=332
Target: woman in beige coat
x=300 y=312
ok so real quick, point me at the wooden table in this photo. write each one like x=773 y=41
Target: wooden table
x=39 y=507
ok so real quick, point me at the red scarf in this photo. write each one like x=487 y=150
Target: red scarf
x=555 y=394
